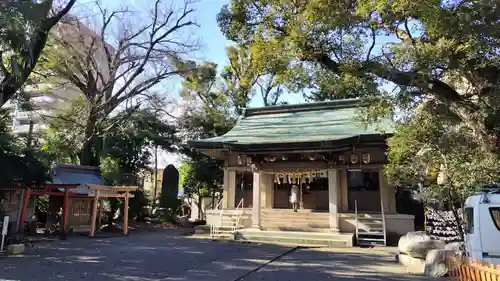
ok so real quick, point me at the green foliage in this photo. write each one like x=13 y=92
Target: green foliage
x=63 y=139
x=42 y=204
x=199 y=176
x=137 y=204
x=24 y=28
x=20 y=165
x=427 y=144
x=99 y=66
x=125 y=153
x=447 y=52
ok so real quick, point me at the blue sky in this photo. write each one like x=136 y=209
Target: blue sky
x=213 y=44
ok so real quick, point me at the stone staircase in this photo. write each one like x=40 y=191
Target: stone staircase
x=304 y=228
x=298 y=238
x=287 y=220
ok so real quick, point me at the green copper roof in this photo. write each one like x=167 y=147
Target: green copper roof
x=311 y=122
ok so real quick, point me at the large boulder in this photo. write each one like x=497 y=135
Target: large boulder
x=435 y=262
x=457 y=247
x=418 y=244
x=411 y=264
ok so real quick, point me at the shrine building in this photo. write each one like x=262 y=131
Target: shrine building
x=324 y=150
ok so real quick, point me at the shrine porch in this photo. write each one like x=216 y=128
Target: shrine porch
x=307 y=220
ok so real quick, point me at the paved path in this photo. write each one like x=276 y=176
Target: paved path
x=338 y=265
x=162 y=256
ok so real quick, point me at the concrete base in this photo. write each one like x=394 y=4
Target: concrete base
x=412 y=265
x=16 y=249
x=339 y=240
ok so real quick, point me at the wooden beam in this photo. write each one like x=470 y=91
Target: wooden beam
x=65 y=211
x=24 y=205
x=125 y=214
x=112 y=188
x=112 y=195
x=65 y=186
x=94 y=214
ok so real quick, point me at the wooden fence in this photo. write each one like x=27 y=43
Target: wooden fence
x=462 y=269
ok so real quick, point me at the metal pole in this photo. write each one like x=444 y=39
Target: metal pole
x=156 y=176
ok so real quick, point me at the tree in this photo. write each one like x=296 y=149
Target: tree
x=21 y=166
x=123 y=69
x=198 y=177
x=24 y=29
x=245 y=75
x=447 y=51
x=63 y=138
x=126 y=153
x=440 y=159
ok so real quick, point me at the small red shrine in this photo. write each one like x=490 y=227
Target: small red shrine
x=97 y=192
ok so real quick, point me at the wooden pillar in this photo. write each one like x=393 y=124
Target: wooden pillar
x=125 y=214
x=24 y=205
x=332 y=200
x=65 y=211
x=256 y=200
x=93 y=218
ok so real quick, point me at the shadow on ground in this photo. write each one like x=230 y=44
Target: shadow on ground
x=339 y=266
x=160 y=256
x=152 y=256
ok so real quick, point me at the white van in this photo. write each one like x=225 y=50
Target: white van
x=482 y=226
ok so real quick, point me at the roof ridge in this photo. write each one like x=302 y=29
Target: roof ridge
x=291 y=108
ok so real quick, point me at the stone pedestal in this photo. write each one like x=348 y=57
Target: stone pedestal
x=16 y=249
x=256 y=201
x=229 y=187
x=333 y=200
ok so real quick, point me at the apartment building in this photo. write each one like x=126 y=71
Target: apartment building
x=45 y=99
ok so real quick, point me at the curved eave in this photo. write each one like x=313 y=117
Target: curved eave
x=367 y=140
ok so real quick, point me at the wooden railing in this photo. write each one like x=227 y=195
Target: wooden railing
x=463 y=269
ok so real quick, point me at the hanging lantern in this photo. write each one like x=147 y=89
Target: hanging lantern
x=354 y=159
x=341 y=159
x=366 y=158
x=442 y=177
x=240 y=162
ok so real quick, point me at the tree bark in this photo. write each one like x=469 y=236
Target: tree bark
x=469 y=112
x=89 y=155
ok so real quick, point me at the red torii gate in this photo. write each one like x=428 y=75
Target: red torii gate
x=101 y=191
x=50 y=190
x=95 y=192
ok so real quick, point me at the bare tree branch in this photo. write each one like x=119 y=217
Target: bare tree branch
x=147 y=52
x=28 y=51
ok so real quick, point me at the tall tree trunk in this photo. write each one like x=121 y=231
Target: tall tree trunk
x=89 y=155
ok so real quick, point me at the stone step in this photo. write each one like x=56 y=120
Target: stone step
x=294 y=216
x=295 y=220
x=296 y=238
x=372 y=230
x=370 y=241
x=295 y=224
x=381 y=233
x=299 y=213
x=296 y=228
